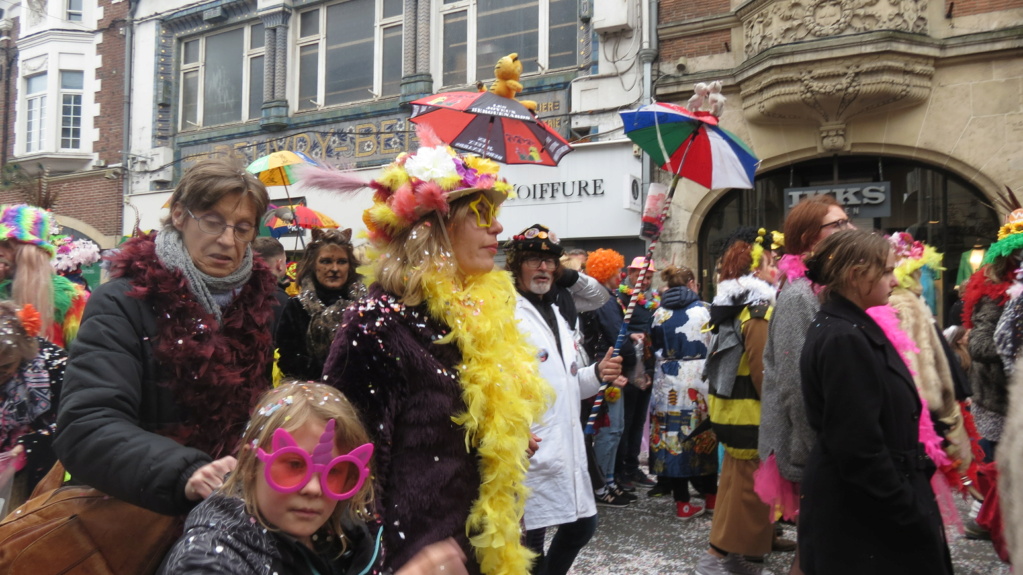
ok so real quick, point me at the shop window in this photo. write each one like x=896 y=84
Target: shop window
x=213 y=67
x=476 y=33
x=933 y=205
x=74 y=11
x=71 y=85
x=35 y=113
x=349 y=52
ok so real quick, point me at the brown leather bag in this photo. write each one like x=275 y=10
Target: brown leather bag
x=78 y=530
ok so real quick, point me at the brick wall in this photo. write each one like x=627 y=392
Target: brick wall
x=716 y=42
x=670 y=11
x=88 y=196
x=970 y=7
x=109 y=113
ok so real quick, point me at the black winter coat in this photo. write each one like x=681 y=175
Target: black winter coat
x=121 y=427
x=867 y=504
x=220 y=537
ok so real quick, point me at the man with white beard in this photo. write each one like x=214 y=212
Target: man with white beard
x=561 y=495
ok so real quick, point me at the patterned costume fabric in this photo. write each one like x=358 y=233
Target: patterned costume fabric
x=679 y=400
x=28 y=408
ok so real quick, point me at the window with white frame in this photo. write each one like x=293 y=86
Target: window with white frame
x=213 y=67
x=349 y=51
x=476 y=33
x=35 y=113
x=71 y=85
x=73 y=13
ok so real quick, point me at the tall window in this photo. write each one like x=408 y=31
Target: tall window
x=71 y=84
x=35 y=113
x=348 y=52
x=74 y=10
x=476 y=33
x=213 y=68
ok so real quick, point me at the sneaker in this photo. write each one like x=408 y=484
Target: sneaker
x=783 y=545
x=621 y=493
x=709 y=502
x=640 y=479
x=739 y=565
x=686 y=510
x=974 y=531
x=711 y=565
x=625 y=485
x=609 y=499
x=659 y=490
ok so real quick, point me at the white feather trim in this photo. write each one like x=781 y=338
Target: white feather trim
x=744 y=291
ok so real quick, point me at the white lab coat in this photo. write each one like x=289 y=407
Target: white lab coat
x=559 y=483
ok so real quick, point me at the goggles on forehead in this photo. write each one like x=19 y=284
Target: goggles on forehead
x=485 y=210
x=289 y=467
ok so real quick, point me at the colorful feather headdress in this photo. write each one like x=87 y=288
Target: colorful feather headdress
x=28 y=224
x=910 y=256
x=73 y=254
x=1009 y=237
x=414 y=185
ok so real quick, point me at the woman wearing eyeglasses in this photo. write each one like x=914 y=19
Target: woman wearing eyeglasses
x=433 y=360
x=785 y=436
x=329 y=284
x=173 y=350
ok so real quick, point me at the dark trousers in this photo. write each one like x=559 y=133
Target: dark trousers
x=565 y=546
x=637 y=405
x=704 y=485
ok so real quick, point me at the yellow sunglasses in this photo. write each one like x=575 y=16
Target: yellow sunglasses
x=485 y=210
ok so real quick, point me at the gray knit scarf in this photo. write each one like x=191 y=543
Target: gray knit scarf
x=211 y=292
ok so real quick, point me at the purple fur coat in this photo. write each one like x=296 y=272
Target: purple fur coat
x=406 y=390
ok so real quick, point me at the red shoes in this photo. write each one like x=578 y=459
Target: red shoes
x=686 y=510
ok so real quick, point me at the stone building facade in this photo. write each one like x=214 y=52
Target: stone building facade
x=920 y=99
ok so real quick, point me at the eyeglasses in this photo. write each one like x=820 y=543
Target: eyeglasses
x=485 y=210
x=837 y=224
x=535 y=261
x=215 y=225
x=289 y=467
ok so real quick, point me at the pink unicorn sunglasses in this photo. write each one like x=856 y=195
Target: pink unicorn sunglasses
x=289 y=467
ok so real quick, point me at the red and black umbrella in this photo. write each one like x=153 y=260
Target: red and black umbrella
x=491 y=126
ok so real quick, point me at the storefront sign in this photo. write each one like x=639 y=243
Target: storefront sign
x=557 y=190
x=864 y=200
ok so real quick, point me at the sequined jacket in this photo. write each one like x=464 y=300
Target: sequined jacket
x=405 y=386
x=220 y=537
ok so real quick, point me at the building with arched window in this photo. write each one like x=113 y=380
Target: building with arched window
x=910 y=113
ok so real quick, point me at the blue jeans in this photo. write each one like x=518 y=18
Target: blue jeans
x=605 y=443
x=565 y=546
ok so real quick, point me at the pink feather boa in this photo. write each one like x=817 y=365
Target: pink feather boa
x=887 y=319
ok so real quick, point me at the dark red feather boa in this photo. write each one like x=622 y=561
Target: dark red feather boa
x=979 y=286
x=216 y=374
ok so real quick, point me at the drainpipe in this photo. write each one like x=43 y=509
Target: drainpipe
x=647 y=55
x=10 y=52
x=129 y=45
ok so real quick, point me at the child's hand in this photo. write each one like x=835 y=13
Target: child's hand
x=208 y=478
x=441 y=558
x=534 y=444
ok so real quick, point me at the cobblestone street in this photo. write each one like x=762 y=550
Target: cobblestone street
x=646 y=538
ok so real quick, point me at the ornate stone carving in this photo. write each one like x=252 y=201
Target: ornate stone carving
x=833 y=137
x=832 y=94
x=36 y=12
x=791 y=21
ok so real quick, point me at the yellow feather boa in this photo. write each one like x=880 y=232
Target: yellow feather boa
x=504 y=395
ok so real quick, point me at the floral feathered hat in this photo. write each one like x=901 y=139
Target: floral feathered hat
x=74 y=253
x=1010 y=237
x=912 y=255
x=28 y=224
x=416 y=184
